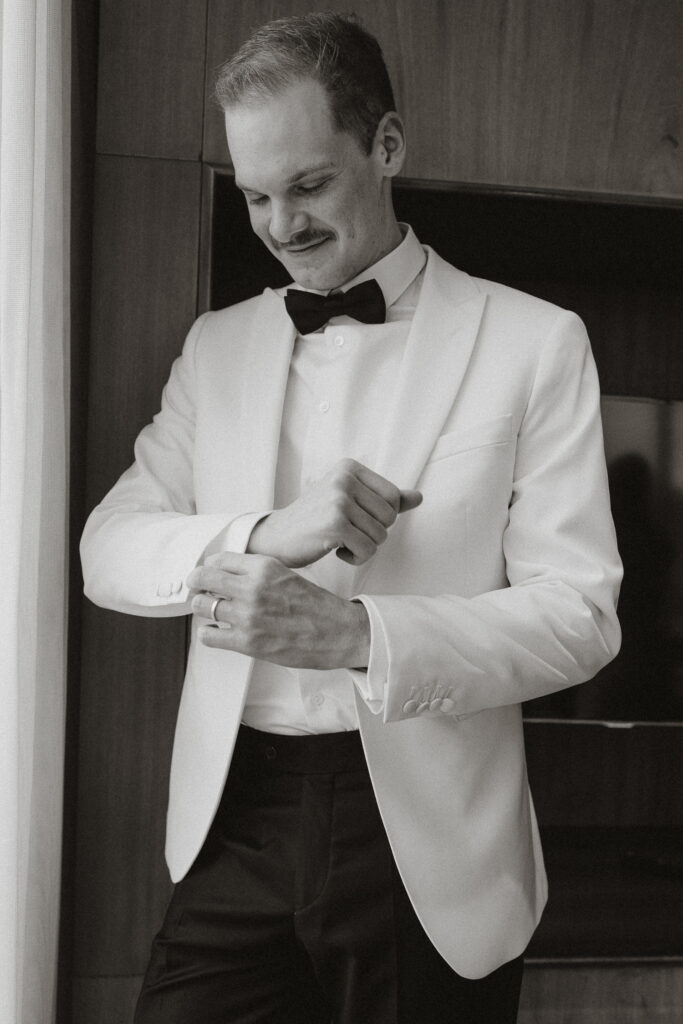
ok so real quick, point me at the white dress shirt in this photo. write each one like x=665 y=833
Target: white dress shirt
x=339 y=386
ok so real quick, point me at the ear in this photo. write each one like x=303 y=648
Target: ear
x=389 y=147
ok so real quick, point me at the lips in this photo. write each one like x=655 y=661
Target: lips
x=305 y=248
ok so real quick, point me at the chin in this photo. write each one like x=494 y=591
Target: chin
x=318 y=276
x=317 y=280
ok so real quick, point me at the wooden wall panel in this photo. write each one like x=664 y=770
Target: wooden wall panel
x=151 y=80
x=590 y=775
x=634 y=994
x=130 y=688
x=629 y=994
x=563 y=94
x=144 y=298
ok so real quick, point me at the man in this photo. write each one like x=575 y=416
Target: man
x=391 y=523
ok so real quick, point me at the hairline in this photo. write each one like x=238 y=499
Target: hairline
x=255 y=95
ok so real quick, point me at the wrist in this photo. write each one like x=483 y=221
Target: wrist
x=258 y=543
x=360 y=636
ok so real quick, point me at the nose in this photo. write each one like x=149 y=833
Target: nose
x=285 y=221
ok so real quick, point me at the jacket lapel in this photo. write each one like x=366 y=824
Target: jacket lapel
x=438 y=350
x=263 y=385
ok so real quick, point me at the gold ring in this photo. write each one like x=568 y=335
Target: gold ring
x=212 y=613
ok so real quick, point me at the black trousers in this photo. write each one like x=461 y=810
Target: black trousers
x=294 y=912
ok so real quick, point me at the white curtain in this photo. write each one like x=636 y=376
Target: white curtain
x=34 y=366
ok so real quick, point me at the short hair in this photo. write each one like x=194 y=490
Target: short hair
x=333 y=49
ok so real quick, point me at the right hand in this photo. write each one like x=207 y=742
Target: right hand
x=350 y=509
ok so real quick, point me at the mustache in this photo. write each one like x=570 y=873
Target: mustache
x=303 y=238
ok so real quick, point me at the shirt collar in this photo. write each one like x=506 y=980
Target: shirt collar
x=397 y=270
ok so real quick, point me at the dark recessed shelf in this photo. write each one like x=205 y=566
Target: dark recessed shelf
x=614 y=893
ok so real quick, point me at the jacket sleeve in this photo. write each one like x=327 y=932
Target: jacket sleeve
x=141 y=542
x=555 y=624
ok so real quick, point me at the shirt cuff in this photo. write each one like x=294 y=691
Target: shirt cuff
x=371 y=682
x=235 y=536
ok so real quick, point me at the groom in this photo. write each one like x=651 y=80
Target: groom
x=381 y=492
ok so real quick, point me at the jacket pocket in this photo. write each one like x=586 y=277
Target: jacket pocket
x=478 y=435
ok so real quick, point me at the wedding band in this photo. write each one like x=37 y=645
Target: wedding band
x=214 y=605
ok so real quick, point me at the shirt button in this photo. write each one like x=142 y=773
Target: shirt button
x=324 y=405
x=318 y=700
x=339 y=341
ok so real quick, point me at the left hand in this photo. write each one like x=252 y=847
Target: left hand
x=269 y=612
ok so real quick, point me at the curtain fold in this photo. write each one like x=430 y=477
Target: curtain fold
x=34 y=372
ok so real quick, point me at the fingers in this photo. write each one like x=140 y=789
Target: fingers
x=379 y=484
x=367 y=506
x=374 y=504
x=223 y=576
x=355 y=547
x=409 y=500
x=216 y=608
x=379 y=487
x=214 y=581
x=231 y=561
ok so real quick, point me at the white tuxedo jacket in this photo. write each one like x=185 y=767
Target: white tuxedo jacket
x=500 y=587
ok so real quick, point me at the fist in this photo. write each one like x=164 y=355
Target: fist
x=350 y=510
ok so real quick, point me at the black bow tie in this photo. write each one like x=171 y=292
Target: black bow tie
x=309 y=311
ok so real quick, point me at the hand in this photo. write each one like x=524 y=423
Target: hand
x=351 y=509
x=269 y=612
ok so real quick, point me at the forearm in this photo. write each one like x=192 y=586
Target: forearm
x=500 y=648
x=137 y=560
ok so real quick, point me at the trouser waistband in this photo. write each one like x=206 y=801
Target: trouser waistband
x=322 y=753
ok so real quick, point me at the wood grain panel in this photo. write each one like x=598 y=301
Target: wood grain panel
x=583 y=775
x=130 y=688
x=571 y=94
x=151 y=77
x=144 y=300
x=645 y=994
x=144 y=288
x=639 y=994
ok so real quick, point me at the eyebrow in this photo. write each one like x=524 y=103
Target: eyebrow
x=294 y=178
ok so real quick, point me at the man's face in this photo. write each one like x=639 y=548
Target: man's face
x=316 y=200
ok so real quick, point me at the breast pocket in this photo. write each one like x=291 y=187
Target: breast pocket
x=478 y=435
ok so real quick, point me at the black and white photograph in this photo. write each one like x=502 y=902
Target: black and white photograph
x=341 y=492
